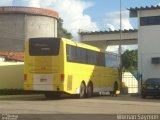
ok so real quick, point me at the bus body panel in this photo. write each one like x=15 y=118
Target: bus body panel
x=44 y=72
x=57 y=73
x=102 y=78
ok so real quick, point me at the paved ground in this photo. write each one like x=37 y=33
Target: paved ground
x=38 y=104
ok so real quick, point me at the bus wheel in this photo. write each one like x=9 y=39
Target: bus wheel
x=89 y=90
x=52 y=95
x=82 y=93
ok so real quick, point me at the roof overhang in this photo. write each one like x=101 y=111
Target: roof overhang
x=105 y=38
x=134 y=11
x=28 y=10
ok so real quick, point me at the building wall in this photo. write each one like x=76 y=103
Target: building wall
x=11 y=32
x=16 y=28
x=148 y=45
x=11 y=75
x=40 y=26
x=130 y=82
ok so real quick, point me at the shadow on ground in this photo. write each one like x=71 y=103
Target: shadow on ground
x=41 y=97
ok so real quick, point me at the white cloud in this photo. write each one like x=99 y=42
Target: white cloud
x=5 y=2
x=110 y=27
x=71 y=11
x=33 y=3
x=112 y=48
x=112 y=20
x=115 y=48
x=28 y=3
x=130 y=47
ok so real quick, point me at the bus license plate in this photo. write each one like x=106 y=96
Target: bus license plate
x=43 y=81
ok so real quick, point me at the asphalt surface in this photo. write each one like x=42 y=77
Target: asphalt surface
x=38 y=104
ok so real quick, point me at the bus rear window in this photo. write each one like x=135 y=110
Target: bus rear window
x=44 y=46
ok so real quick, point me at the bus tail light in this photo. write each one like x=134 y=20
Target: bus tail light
x=25 y=77
x=62 y=77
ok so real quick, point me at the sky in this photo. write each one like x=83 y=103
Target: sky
x=88 y=15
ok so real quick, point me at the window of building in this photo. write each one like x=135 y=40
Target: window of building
x=151 y=20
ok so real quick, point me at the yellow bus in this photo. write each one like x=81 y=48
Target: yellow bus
x=57 y=65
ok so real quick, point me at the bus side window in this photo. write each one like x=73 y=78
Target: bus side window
x=71 y=53
x=81 y=55
x=91 y=57
x=101 y=59
x=111 y=60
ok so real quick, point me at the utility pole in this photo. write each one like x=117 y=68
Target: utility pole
x=120 y=46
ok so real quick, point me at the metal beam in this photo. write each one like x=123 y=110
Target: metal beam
x=100 y=40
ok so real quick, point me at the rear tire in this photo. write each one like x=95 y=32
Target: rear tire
x=89 y=90
x=82 y=93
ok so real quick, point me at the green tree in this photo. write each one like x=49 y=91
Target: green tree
x=129 y=60
x=63 y=32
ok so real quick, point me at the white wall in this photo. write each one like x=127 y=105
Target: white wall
x=40 y=26
x=11 y=75
x=130 y=82
x=149 y=46
x=2 y=59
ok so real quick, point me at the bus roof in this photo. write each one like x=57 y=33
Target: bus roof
x=83 y=45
